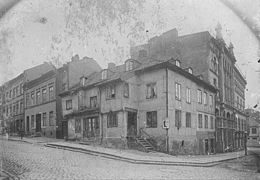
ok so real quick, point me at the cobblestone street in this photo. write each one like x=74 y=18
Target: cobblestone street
x=28 y=161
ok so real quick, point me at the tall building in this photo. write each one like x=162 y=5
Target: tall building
x=210 y=57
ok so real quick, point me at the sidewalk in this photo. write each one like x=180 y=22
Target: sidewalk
x=134 y=156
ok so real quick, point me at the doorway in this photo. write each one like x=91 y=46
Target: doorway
x=131 y=124
x=27 y=123
x=91 y=126
x=206 y=146
x=38 y=122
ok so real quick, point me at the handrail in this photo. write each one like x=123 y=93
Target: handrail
x=142 y=132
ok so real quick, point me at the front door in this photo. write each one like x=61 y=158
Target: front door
x=64 y=129
x=27 y=123
x=91 y=126
x=38 y=123
x=131 y=124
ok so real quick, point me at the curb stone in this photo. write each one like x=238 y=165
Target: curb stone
x=137 y=161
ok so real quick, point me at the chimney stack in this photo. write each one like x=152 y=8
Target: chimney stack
x=75 y=58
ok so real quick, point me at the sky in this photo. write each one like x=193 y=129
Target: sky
x=34 y=31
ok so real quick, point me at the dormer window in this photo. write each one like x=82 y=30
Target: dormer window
x=190 y=70
x=177 y=63
x=129 y=65
x=104 y=74
x=83 y=81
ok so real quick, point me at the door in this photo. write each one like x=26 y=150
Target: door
x=91 y=126
x=64 y=129
x=206 y=146
x=131 y=124
x=38 y=123
x=27 y=123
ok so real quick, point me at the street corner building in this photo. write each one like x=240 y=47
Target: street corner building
x=125 y=106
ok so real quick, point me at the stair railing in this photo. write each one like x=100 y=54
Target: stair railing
x=144 y=134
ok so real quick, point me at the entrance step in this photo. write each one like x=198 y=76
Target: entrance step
x=145 y=144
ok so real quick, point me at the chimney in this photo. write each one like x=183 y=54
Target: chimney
x=230 y=48
x=75 y=58
x=111 y=65
x=218 y=30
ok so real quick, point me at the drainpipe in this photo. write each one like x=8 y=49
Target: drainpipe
x=100 y=116
x=167 y=111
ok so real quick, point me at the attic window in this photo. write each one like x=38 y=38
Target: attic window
x=177 y=63
x=129 y=65
x=104 y=74
x=190 y=70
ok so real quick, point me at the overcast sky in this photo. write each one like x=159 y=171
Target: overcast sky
x=34 y=31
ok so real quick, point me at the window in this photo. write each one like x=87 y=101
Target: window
x=32 y=98
x=177 y=91
x=200 y=120
x=38 y=97
x=77 y=125
x=190 y=70
x=111 y=92
x=199 y=95
x=151 y=119
x=68 y=104
x=27 y=99
x=104 y=74
x=129 y=65
x=178 y=118
x=126 y=90
x=51 y=118
x=44 y=95
x=253 y=130
x=177 y=63
x=211 y=100
x=205 y=99
x=211 y=122
x=93 y=101
x=51 y=93
x=10 y=94
x=32 y=121
x=188 y=99
x=112 y=119
x=13 y=92
x=188 y=119
x=215 y=82
x=21 y=88
x=151 y=91
x=43 y=119
x=206 y=122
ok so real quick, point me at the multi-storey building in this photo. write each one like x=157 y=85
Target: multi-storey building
x=211 y=58
x=2 y=96
x=13 y=107
x=123 y=102
x=70 y=75
x=253 y=128
x=41 y=105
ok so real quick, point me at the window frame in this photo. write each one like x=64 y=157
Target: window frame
x=188 y=95
x=68 y=104
x=206 y=121
x=178 y=120
x=112 y=119
x=188 y=120
x=151 y=119
x=178 y=91
x=199 y=96
x=153 y=89
x=200 y=119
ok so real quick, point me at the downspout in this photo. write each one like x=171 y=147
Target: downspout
x=167 y=110
x=100 y=116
